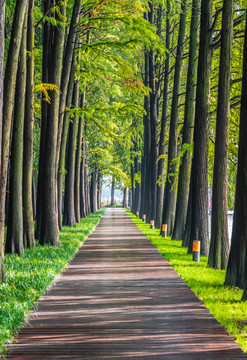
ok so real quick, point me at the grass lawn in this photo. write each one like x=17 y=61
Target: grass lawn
x=31 y=276
x=208 y=284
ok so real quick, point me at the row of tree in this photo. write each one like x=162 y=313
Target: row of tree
x=196 y=95
x=64 y=115
x=147 y=93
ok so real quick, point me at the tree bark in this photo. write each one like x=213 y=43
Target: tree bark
x=82 y=182
x=236 y=274
x=170 y=186
x=189 y=116
x=8 y=100
x=93 y=191
x=219 y=246
x=14 y=239
x=145 y=188
x=49 y=221
x=125 y=198
x=153 y=127
x=28 y=232
x=68 y=58
x=46 y=38
x=199 y=224
x=2 y=43
x=64 y=140
x=113 y=192
x=162 y=145
x=69 y=200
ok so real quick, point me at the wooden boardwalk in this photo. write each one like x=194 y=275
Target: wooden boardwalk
x=120 y=299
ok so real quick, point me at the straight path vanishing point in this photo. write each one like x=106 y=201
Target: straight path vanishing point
x=120 y=299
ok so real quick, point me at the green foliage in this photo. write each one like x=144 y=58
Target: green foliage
x=208 y=284
x=31 y=276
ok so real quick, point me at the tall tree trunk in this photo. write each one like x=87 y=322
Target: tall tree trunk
x=8 y=100
x=113 y=192
x=153 y=127
x=14 y=239
x=99 y=188
x=68 y=59
x=162 y=145
x=189 y=116
x=145 y=188
x=236 y=274
x=28 y=233
x=64 y=140
x=49 y=223
x=125 y=197
x=69 y=200
x=46 y=38
x=93 y=191
x=82 y=181
x=219 y=246
x=2 y=43
x=170 y=186
x=78 y=172
x=199 y=178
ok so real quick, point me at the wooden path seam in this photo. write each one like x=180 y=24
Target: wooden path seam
x=120 y=299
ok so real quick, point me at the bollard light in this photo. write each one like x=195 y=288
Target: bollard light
x=196 y=250
x=144 y=218
x=164 y=230
x=151 y=224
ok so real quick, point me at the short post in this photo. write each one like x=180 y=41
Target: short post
x=196 y=250
x=164 y=230
x=151 y=224
x=137 y=213
x=144 y=218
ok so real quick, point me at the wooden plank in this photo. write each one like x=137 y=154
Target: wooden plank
x=120 y=299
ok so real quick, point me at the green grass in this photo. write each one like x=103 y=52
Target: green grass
x=208 y=284
x=31 y=276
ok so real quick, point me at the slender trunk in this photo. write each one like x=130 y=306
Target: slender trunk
x=93 y=191
x=28 y=233
x=49 y=224
x=125 y=197
x=44 y=108
x=34 y=197
x=170 y=186
x=113 y=192
x=68 y=59
x=14 y=239
x=64 y=140
x=153 y=127
x=2 y=43
x=78 y=172
x=82 y=182
x=189 y=116
x=8 y=100
x=69 y=200
x=219 y=246
x=162 y=146
x=99 y=186
x=199 y=176
x=236 y=274
x=146 y=155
